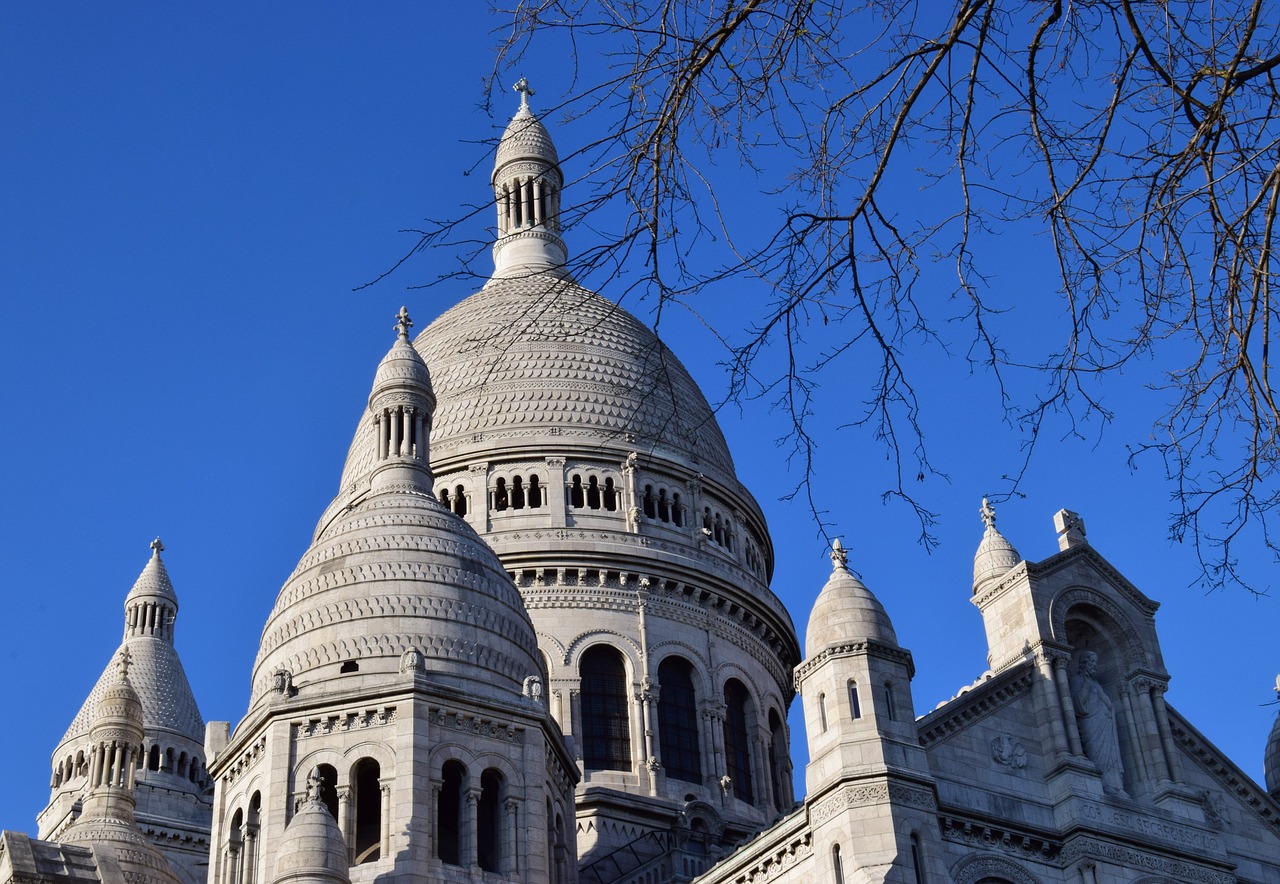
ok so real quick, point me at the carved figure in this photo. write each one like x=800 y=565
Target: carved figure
x=533 y=688
x=282 y=680
x=315 y=784
x=1097 y=719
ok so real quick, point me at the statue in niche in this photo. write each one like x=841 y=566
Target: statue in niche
x=533 y=688
x=412 y=661
x=1097 y=720
x=282 y=682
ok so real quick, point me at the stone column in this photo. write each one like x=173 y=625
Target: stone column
x=344 y=821
x=647 y=698
x=1143 y=760
x=250 y=854
x=1049 y=699
x=1166 y=733
x=511 y=838
x=470 y=845
x=384 y=837
x=1088 y=873
x=1068 y=707
x=394 y=418
x=760 y=772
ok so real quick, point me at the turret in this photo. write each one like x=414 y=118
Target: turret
x=526 y=190
x=995 y=556
x=402 y=403
x=312 y=850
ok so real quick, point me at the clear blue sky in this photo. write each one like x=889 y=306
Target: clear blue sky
x=190 y=194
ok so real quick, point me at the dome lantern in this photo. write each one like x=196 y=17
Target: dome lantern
x=403 y=404
x=995 y=555
x=526 y=189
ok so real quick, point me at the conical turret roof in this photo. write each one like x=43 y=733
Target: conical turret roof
x=995 y=555
x=846 y=610
x=1271 y=761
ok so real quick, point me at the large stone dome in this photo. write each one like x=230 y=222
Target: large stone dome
x=527 y=356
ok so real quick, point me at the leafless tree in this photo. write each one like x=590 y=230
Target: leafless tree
x=1141 y=138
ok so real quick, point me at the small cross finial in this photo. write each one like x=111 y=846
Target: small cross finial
x=839 y=557
x=403 y=323
x=988 y=514
x=124 y=663
x=157 y=547
x=522 y=86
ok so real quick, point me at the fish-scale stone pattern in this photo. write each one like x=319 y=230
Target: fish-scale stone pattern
x=525 y=137
x=539 y=354
x=157 y=674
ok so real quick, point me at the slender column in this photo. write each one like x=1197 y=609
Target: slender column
x=1152 y=729
x=539 y=202
x=384 y=837
x=113 y=771
x=648 y=690
x=759 y=763
x=422 y=431
x=1143 y=759
x=511 y=838
x=526 y=190
x=233 y=863
x=1166 y=733
x=406 y=443
x=344 y=821
x=1088 y=873
x=394 y=417
x=1049 y=699
x=504 y=207
x=1068 y=707
x=470 y=847
x=380 y=422
x=575 y=716
x=250 y=854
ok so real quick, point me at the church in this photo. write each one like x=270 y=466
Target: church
x=534 y=640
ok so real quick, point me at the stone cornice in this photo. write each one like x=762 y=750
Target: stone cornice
x=986 y=835
x=1067 y=557
x=1233 y=780
x=975 y=704
x=869 y=647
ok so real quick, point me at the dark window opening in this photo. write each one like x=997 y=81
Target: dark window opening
x=889 y=712
x=606 y=728
x=777 y=759
x=610 y=496
x=593 y=493
x=677 y=511
x=650 y=509
x=459 y=501
x=678 y=721
x=449 y=813
x=855 y=703
x=535 y=493
x=368 y=822
x=576 y=499
x=500 y=500
x=736 y=746
x=153 y=758
x=517 y=493
x=329 y=788
x=664 y=506
x=489 y=822
x=350 y=666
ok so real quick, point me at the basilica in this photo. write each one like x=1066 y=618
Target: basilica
x=534 y=640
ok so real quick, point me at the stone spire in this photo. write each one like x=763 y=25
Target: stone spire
x=526 y=188
x=402 y=403
x=846 y=610
x=151 y=607
x=995 y=555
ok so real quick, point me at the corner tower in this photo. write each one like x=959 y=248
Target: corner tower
x=579 y=448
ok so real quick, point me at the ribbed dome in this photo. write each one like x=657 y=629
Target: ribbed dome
x=995 y=555
x=402 y=368
x=312 y=848
x=525 y=139
x=525 y=355
x=1271 y=761
x=119 y=710
x=846 y=611
x=398 y=571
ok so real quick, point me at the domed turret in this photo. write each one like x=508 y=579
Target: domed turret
x=995 y=555
x=1271 y=761
x=526 y=187
x=846 y=610
x=393 y=571
x=312 y=850
x=107 y=819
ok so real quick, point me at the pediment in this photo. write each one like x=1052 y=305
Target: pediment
x=1087 y=567
x=1232 y=783
x=976 y=703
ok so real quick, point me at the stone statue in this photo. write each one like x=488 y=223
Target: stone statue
x=282 y=681
x=533 y=688
x=315 y=785
x=1097 y=719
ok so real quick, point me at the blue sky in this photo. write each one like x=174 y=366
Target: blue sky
x=190 y=195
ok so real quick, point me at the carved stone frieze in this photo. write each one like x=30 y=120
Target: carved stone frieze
x=1179 y=870
x=347 y=721
x=476 y=725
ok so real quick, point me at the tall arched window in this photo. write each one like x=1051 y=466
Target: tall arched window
x=889 y=712
x=489 y=822
x=610 y=496
x=535 y=493
x=235 y=848
x=606 y=734
x=593 y=493
x=329 y=788
x=253 y=823
x=736 y=746
x=577 y=499
x=449 y=813
x=822 y=712
x=855 y=701
x=517 y=493
x=837 y=867
x=917 y=858
x=459 y=501
x=678 y=720
x=500 y=497
x=368 y=821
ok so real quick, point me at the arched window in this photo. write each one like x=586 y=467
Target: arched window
x=677 y=510
x=368 y=821
x=329 y=788
x=736 y=746
x=822 y=712
x=855 y=703
x=837 y=868
x=235 y=848
x=459 y=501
x=678 y=721
x=535 y=493
x=664 y=506
x=576 y=497
x=500 y=498
x=890 y=713
x=489 y=822
x=650 y=507
x=593 y=493
x=610 y=496
x=444 y=497
x=777 y=760
x=252 y=824
x=606 y=734
x=517 y=493
x=153 y=758
x=449 y=813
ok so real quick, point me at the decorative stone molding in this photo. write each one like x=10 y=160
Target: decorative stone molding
x=873 y=793
x=245 y=760
x=1079 y=848
x=984 y=836
x=1232 y=780
x=870 y=647
x=348 y=721
x=975 y=705
x=476 y=725
x=974 y=868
